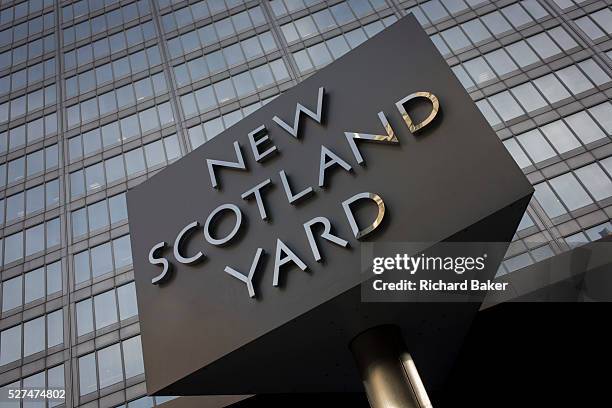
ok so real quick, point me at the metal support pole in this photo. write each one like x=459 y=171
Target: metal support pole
x=388 y=372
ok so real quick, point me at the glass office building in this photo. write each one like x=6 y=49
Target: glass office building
x=98 y=95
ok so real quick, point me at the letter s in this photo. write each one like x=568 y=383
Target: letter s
x=159 y=261
x=480 y=263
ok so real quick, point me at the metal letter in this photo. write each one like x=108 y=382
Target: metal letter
x=232 y=165
x=324 y=165
x=248 y=279
x=159 y=261
x=278 y=261
x=390 y=138
x=351 y=218
x=262 y=133
x=301 y=109
x=229 y=236
x=255 y=191
x=292 y=198
x=435 y=107
x=177 y=244
x=325 y=235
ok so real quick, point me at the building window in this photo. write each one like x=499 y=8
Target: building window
x=38 y=334
x=10 y=345
x=548 y=200
x=110 y=365
x=102 y=259
x=119 y=168
x=132 y=355
x=105 y=308
x=37 y=238
x=46 y=280
x=12 y=293
x=127 y=301
x=596 y=25
x=570 y=191
x=595 y=180
x=88 y=378
x=98 y=215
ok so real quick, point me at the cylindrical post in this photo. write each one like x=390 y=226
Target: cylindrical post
x=388 y=373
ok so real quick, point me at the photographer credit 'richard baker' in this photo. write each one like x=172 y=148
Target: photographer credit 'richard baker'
x=429 y=285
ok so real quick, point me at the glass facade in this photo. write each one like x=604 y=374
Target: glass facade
x=98 y=95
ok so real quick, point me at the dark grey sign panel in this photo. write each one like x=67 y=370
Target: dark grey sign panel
x=206 y=331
